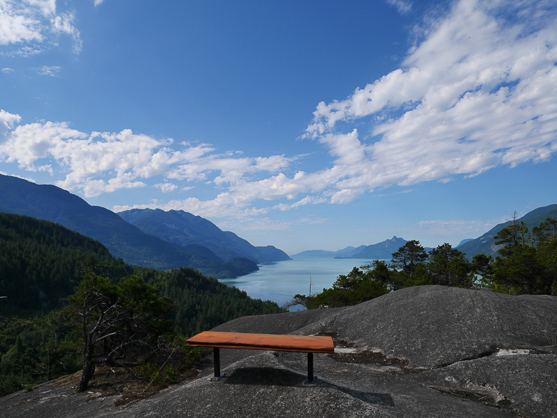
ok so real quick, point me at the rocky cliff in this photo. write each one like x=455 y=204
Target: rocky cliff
x=428 y=351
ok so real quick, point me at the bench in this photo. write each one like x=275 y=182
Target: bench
x=272 y=342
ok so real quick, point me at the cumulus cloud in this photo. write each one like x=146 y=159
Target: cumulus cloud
x=7 y=122
x=166 y=187
x=476 y=93
x=103 y=162
x=478 y=90
x=27 y=24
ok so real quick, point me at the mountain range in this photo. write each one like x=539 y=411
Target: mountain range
x=379 y=251
x=122 y=239
x=165 y=240
x=484 y=244
x=184 y=229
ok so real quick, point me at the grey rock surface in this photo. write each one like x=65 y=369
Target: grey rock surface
x=427 y=351
x=432 y=326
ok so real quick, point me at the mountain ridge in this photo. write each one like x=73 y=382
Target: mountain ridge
x=183 y=228
x=381 y=251
x=485 y=244
x=123 y=240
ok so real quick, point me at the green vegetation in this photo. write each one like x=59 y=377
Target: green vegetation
x=36 y=349
x=527 y=264
x=203 y=303
x=64 y=312
x=43 y=326
x=39 y=263
x=122 y=239
x=528 y=259
x=485 y=244
x=121 y=325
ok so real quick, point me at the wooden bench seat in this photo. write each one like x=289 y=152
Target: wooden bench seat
x=239 y=340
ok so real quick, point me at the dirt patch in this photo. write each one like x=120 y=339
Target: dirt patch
x=347 y=352
x=128 y=384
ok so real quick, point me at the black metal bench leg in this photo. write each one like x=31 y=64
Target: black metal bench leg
x=311 y=378
x=216 y=364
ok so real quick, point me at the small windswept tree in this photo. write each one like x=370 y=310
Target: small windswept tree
x=119 y=324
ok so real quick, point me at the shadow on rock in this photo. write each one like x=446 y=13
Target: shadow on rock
x=263 y=376
x=372 y=398
x=268 y=376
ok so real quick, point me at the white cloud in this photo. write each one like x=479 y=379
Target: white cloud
x=476 y=93
x=47 y=7
x=26 y=26
x=166 y=187
x=7 y=122
x=17 y=28
x=402 y=6
x=49 y=70
x=7 y=70
x=98 y=2
x=63 y=23
x=103 y=162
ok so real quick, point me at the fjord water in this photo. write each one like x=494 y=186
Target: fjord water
x=279 y=282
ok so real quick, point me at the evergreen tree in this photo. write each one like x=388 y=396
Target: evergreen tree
x=409 y=256
x=448 y=266
x=526 y=265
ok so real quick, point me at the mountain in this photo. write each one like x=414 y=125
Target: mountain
x=184 y=229
x=380 y=251
x=345 y=252
x=464 y=241
x=122 y=239
x=314 y=254
x=40 y=265
x=486 y=243
x=482 y=245
x=39 y=261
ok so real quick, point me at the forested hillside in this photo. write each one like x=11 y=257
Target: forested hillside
x=41 y=264
x=486 y=243
x=184 y=229
x=122 y=239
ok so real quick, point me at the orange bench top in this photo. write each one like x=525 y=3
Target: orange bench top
x=296 y=343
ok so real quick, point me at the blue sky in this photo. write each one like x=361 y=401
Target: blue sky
x=299 y=124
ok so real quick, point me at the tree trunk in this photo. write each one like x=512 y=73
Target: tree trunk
x=88 y=366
